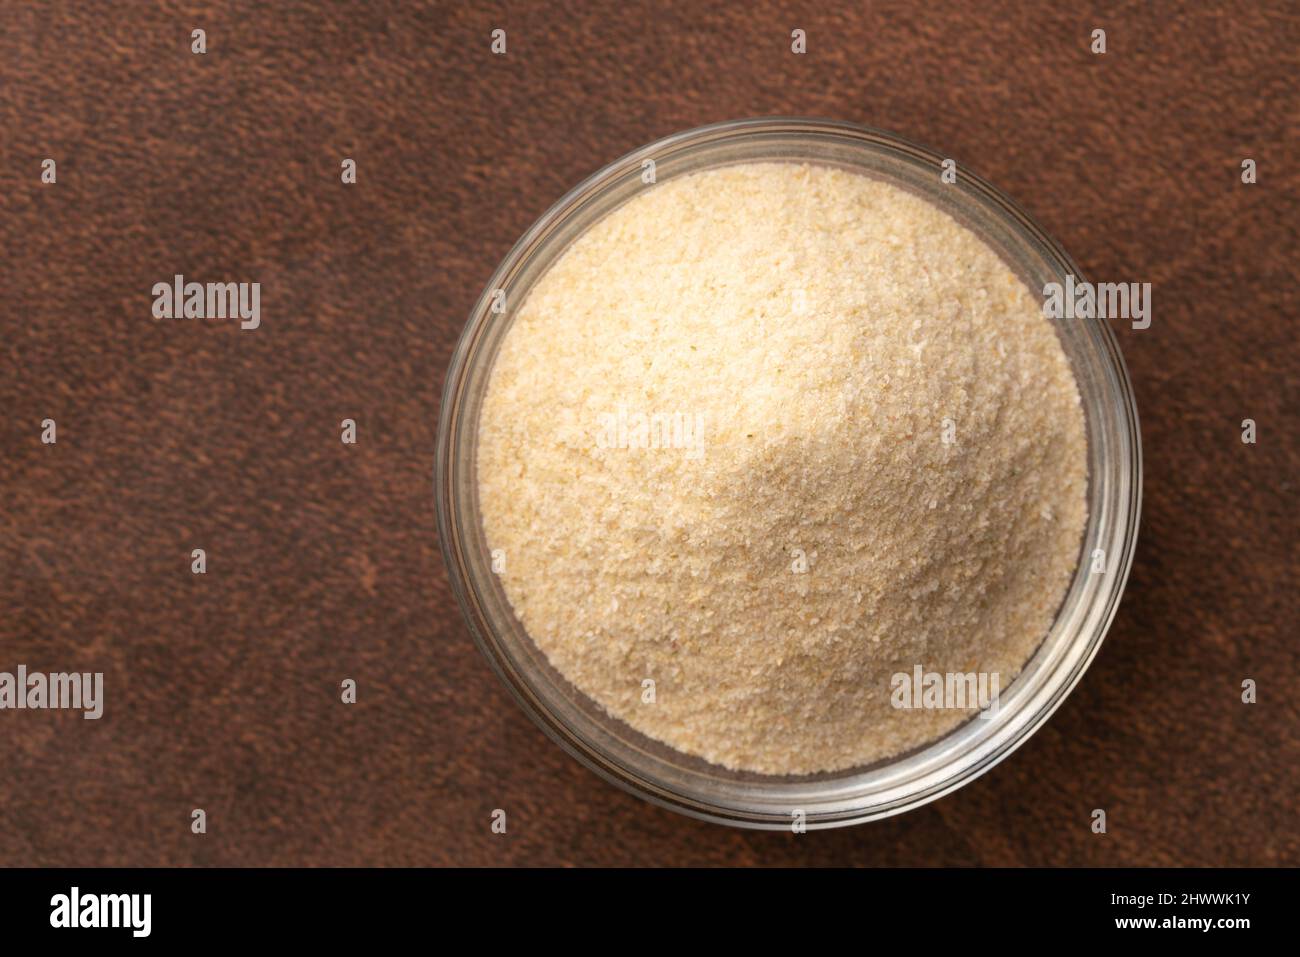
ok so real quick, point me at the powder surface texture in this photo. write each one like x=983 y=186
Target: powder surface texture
x=767 y=436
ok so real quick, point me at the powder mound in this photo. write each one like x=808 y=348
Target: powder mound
x=767 y=435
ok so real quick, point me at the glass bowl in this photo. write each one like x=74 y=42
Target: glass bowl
x=690 y=785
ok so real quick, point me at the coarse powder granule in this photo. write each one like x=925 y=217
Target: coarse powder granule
x=766 y=436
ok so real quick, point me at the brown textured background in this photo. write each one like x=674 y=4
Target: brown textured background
x=222 y=691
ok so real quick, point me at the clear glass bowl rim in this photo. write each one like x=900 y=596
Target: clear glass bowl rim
x=968 y=765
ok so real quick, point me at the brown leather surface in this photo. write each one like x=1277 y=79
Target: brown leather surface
x=222 y=690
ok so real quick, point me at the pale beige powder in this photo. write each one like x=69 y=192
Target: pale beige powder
x=821 y=327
